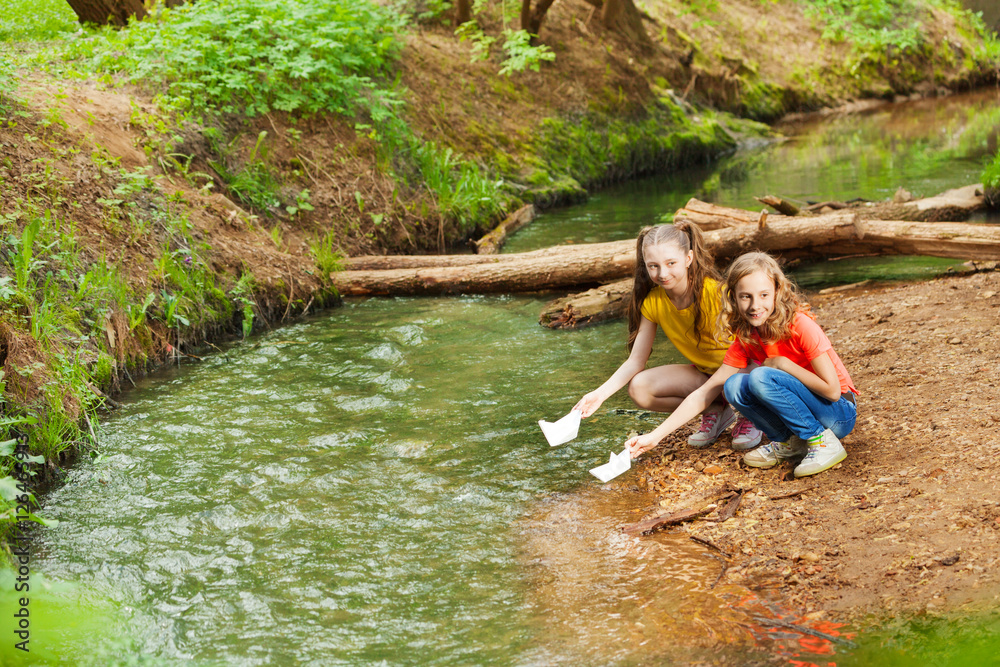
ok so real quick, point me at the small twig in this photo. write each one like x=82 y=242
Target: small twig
x=291 y=292
x=802 y=629
x=730 y=509
x=90 y=426
x=306 y=309
x=709 y=543
x=125 y=370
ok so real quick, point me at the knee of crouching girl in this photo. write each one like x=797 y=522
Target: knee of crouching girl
x=735 y=387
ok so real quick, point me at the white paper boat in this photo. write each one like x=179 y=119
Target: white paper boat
x=618 y=464
x=562 y=431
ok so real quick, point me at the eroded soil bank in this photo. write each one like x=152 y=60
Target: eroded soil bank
x=911 y=520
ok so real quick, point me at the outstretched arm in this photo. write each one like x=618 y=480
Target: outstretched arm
x=636 y=362
x=694 y=404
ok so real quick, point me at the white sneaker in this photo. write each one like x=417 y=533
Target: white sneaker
x=745 y=434
x=772 y=453
x=713 y=423
x=822 y=456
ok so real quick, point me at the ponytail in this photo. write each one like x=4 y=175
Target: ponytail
x=686 y=236
x=641 y=285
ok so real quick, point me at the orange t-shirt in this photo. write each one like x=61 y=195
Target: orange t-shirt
x=807 y=342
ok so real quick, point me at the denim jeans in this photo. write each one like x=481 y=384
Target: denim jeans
x=780 y=405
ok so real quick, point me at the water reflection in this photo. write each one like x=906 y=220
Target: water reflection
x=926 y=146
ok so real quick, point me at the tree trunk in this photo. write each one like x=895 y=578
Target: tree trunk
x=574 y=265
x=534 y=26
x=711 y=216
x=490 y=244
x=463 y=11
x=623 y=17
x=108 y=12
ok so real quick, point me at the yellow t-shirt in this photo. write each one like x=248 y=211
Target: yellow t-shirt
x=704 y=351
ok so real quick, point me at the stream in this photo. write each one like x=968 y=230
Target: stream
x=370 y=486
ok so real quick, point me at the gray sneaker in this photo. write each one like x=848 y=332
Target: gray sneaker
x=745 y=435
x=823 y=456
x=769 y=455
x=713 y=423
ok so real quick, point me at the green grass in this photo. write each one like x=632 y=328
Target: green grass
x=35 y=20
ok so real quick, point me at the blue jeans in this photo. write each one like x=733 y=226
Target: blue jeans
x=780 y=405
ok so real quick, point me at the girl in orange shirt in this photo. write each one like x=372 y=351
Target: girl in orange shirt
x=801 y=396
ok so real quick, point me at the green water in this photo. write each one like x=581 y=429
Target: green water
x=350 y=490
x=926 y=146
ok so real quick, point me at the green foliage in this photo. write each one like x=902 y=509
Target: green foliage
x=464 y=192
x=991 y=173
x=869 y=24
x=7 y=84
x=35 y=20
x=481 y=43
x=252 y=56
x=328 y=259
x=521 y=55
x=253 y=183
x=242 y=291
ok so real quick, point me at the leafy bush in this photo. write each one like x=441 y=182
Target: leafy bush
x=869 y=24
x=252 y=56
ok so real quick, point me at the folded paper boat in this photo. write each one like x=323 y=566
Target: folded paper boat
x=618 y=464
x=562 y=431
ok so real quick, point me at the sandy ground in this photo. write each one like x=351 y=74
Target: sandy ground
x=911 y=519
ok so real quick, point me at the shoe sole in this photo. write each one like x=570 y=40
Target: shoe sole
x=843 y=455
x=761 y=464
x=747 y=445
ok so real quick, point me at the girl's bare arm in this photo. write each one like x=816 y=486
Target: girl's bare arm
x=636 y=362
x=694 y=404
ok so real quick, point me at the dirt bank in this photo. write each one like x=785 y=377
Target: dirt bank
x=911 y=520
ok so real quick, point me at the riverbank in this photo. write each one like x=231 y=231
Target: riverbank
x=909 y=522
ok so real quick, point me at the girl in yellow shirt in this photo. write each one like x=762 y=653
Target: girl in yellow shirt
x=676 y=287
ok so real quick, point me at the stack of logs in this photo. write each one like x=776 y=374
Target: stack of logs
x=729 y=232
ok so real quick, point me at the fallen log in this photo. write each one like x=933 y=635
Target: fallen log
x=595 y=305
x=574 y=265
x=594 y=263
x=387 y=262
x=953 y=240
x=712 y=216
x=490 y=244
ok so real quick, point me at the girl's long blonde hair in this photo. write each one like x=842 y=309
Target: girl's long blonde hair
x=787 y=300
x=686 y=236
